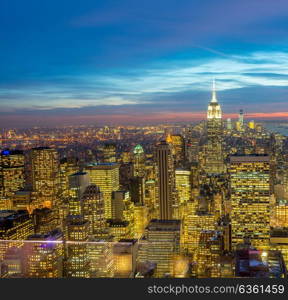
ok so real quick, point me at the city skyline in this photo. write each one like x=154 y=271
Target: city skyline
x=133 y=62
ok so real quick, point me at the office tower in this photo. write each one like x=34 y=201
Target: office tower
x=250 y=187
x=118 y=204
x=138 y=161
x=12 y=175
x=279 y=214
x=125 y=252
x=166 y=180
x=160 y=244
x=78 y=182
x=101 y=258
x=213 y=160
x=45 y=171
x=67 y=168
x=43 y=255
x=208 y=253
x=137 y=189
x=229 y=124
x=178 y=148
x=44 y=220
x=93 y=209
x=183 y=185
x=141 y=215
x=109 y=153
x=78 y=263
x=14 y=225
x=150 y=194
x=195 y=221
x=119 y=229
x=192 y=149
x=106 y=177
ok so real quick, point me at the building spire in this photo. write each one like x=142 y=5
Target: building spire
x=214 y=98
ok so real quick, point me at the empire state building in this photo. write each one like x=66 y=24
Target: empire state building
x=214 y=163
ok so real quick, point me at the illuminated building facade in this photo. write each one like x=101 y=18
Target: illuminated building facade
x=44 y=220
x=12 y=175
x=101 y=258
x=77 y=263
x=106 y=177
x=213 y=161
x=160 y=245
x=178 y=147
x=250 y=186
x=125 y=252
x=138 y=161
x=183 y=185
x=45 y=176
x=44 y=259
x=93 y=209
x=166 y=180
x=14 y=225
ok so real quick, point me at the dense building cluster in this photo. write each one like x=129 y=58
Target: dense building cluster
x=198 y=200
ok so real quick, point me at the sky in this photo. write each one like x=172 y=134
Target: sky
x=88 y=62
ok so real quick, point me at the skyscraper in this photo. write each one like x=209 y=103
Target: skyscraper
x=178 y=147
x=78 y=263
x=250 y=186
x=106 y=177
x=138 y=161
x=12 y=175
x=93 y=209
x=214 y=163
x=43 y=255
x=166 y=180
x=160 y=245
x=45 y=168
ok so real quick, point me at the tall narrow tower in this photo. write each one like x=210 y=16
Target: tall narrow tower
x=165 y=179
x=213 y=155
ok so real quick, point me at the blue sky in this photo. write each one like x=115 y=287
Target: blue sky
x=89 y=61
